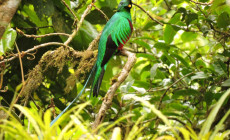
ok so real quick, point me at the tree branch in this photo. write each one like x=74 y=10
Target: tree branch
x=57 y=58
x=162 y=24
x=40 y=36
x=106 y=17
x=201 y=3
x=71 y=11
x=161 y=99
x=86 y=12
x=31 y=50
x=109 y=96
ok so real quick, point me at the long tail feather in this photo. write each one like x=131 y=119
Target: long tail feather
x=92 y=71
x=97 y=86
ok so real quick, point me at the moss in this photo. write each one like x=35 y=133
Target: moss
x=62 y=56
x=86 y=63
x=114 y=79
x=33 y=81
x=58 y=59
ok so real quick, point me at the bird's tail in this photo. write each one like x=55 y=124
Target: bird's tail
x=97 y=79
x=91 y=73
x=97 y=86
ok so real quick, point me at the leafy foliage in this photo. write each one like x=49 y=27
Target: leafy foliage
x=7 y=41
x=176 y=90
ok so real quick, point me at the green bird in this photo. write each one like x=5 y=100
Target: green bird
x=115 y=34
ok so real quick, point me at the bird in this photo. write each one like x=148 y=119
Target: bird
x=115 y=34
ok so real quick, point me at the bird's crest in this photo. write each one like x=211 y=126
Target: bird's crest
x=124 y=4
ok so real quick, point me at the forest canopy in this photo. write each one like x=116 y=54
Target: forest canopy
x=170 y=81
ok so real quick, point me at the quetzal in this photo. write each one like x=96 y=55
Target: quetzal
x=115 y=34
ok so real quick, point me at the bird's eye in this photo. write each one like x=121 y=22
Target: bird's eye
x=130 y=5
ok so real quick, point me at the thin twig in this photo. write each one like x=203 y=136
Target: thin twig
x=170 y=118
x=94 y=42
x=212 y=26
x=25 y=104
x=36 y=28
x=33 y=49
x=75 y=17
x=79 y=24
x=201 y=3
x=109 y=95
x=38 y=107
x=71 y=11
x=106 y=17
x=1 y=76
x=162 y=24
x=159 y=106
x=22 y=73
x=21 y=65
x=178 y=120
x=40 y=36
x=169 y=8
x=55 y=43
x=2 y=69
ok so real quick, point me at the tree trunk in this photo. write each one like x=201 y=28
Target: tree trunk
x=7 y=11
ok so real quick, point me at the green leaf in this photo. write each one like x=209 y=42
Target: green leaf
x=223 y=20
x=211 y=117
x=7 y=41
x=32 y=16
x=219 y=126
x=220 y=67
x=112 y=4
x=116 y=134
x=169 y=30
x=148 y=56
x=186 y=92
x=178 y=106
x=190 y=17
x=223 y=8
x=139 y=89
x=188 y=36
x=225 y=53
x=43 y=8
x=208 y=97
x=176 y=18
x=199 y=75
x=217 y=3
x=162 y=46
x=169 y=34
x=153 y=71
x=169 y=58
x=125 y=88
x=143 y=44
x=181 y=59
x=95 y=17
x=183 y=11
x=226 y=83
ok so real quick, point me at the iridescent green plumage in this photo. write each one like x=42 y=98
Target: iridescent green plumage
x=115 y=34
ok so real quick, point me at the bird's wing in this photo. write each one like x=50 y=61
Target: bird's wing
x=119 y=34
x=122 y=31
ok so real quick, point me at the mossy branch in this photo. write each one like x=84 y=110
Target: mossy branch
x=57 y=58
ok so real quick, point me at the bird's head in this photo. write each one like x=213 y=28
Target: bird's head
x=124 y=5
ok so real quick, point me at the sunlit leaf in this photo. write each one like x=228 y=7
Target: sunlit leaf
x=7 y=40
x=153 y=71
x=141 y=90
x=199 y=75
